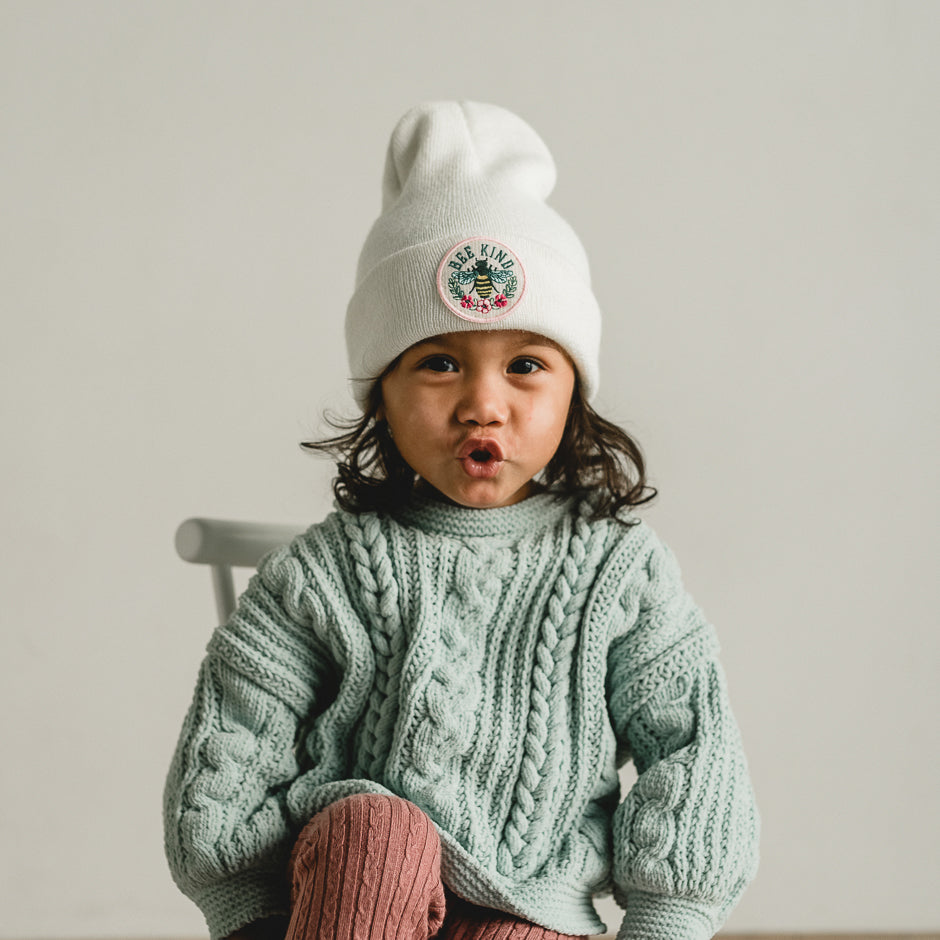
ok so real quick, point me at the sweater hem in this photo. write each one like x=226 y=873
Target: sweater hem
x=553 y=904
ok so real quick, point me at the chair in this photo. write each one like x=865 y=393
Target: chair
x=225 y=544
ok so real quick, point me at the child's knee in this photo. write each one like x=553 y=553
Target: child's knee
x=377 y=820
x=380 y=811
x=370 y=856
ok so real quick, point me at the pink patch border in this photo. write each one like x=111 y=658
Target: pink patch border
x=448 y=301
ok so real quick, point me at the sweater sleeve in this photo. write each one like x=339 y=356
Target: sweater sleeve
x=686 y=835
x=227 y=830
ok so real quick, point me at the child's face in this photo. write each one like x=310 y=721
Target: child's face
x=478 y=415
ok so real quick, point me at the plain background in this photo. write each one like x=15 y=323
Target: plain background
x=185 y=188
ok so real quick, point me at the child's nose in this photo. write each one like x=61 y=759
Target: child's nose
x=482 y=401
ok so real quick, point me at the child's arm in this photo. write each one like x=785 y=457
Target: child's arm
x=228 y=834
x=685 y=837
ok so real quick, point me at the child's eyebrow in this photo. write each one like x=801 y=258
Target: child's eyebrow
x=536 y=339
x=431 y=341
x=526 y=339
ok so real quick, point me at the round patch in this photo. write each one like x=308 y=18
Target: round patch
x=481 y=280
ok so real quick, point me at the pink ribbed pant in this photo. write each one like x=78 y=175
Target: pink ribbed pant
x=369 y=867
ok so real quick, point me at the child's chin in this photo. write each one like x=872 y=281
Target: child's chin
x=479 y=498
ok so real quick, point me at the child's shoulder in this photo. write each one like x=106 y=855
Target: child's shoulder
x=317 y=573
x=625 y=528
x=635 y=546
x=317 y=548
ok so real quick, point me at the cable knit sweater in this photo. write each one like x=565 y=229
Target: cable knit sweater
x=495 y=667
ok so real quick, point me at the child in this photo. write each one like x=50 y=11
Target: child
x=412 y=724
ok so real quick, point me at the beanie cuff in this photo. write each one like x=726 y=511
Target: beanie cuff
x=397 y=304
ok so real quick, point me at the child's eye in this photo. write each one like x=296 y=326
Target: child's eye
x=525 y=366
x=439 y=364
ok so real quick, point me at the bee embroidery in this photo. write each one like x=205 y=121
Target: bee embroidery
x=480 y=279
x=483 y=277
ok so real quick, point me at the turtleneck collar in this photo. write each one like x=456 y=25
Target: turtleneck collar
x=506 y=522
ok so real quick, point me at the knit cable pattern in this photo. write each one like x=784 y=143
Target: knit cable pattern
x=687 y=832
x=225 y=797
x=531 y=818
x=701 y=790
x=369 y=551
x=454 y=690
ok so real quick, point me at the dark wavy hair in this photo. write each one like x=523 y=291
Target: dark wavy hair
x=595 y=456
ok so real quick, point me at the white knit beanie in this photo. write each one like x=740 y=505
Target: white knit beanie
x=467 y=242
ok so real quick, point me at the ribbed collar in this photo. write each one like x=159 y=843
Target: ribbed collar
x=508 y=522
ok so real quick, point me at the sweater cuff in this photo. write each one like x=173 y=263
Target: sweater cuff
x=242 y=899
x=654 y=917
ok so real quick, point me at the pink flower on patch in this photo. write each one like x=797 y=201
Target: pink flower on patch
x=484 y=306
x=500 y=300
x=467 y=301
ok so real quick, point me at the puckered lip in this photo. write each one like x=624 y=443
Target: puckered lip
x=475 y=445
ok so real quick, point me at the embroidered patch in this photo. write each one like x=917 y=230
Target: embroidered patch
x=481 y=280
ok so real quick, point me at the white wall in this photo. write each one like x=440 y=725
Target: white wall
x=185 y=187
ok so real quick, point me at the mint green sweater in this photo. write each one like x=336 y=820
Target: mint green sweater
x=495 y=667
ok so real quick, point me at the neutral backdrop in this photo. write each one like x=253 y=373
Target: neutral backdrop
x=185 y=188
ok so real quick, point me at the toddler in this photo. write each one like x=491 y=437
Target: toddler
x=412 y=724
